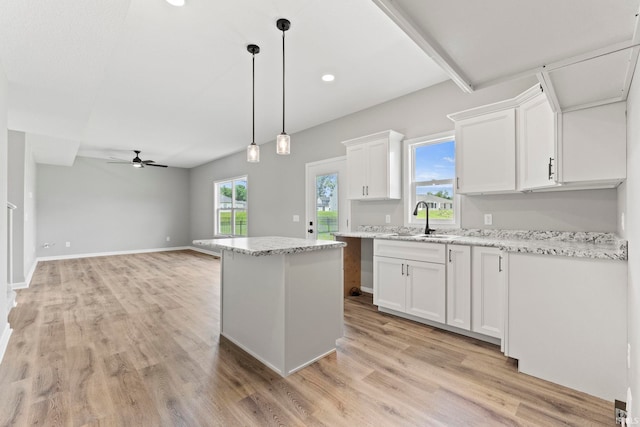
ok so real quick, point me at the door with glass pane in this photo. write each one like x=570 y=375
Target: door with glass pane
x=326 y=194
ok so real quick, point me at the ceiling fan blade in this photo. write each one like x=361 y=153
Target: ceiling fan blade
x=146 y=162
x=117 y=158
x=122 y=162
x=158 y=166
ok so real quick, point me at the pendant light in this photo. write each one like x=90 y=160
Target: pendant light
x=253 y=150
x=283 y=141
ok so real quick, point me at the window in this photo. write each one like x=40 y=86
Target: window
x=231 y=207
x=430 y=177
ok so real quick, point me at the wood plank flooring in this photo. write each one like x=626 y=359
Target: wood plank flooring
x=133 y=341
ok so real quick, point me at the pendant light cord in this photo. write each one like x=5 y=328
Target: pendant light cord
x=253 y=98
x=283 y=92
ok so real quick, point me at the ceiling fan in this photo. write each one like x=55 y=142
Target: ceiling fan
x=137 y=162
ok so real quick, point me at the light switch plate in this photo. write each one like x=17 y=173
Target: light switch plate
x=296 y=218
x=387 y=219
x=488 y=219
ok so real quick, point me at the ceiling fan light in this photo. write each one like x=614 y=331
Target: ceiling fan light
x=283 y=144
x=137 y=165
x=253 y=153
x=177 y=3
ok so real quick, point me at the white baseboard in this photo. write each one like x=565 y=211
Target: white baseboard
x=91 y=255
x=4 y=340
x=19 y=285
x=27 y=280
x=205 y=251
x=367 y=290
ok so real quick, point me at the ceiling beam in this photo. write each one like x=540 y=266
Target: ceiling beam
x=426 y=43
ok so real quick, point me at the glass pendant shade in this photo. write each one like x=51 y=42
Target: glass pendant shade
x=253 y=153
x=283 y=144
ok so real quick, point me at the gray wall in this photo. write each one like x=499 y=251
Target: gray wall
x=16 y=157
x=3 y=202
x=630 y=192
x=276 y=184
x=101 y=207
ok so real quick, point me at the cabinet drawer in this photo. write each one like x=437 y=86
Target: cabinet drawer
x=417 y=251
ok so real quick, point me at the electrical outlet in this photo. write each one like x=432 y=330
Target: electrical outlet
x=622 y=221
x=387 y=219
x=68 y=244
x=296 y=218
x=488 y=219
x=168 y=238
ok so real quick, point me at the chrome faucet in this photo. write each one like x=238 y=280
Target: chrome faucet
x=427 y=230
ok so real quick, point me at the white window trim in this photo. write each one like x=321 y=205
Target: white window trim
x=407 y=187
x=216 y=203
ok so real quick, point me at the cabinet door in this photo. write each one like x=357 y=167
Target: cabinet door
x=459 y=286
x=389 y=283
x=486 y=153
x=487 y=292
x=377 y=181
x=356 y=171
x=426 y=290
x=537 y=144
x=594 y=144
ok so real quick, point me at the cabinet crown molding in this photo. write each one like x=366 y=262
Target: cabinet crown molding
x=496 y=106
x=391 y=135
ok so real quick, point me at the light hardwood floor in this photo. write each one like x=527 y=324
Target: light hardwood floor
x=133 y=341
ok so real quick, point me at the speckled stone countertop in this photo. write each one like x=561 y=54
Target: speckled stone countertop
x=563 y=243
x=271 y=245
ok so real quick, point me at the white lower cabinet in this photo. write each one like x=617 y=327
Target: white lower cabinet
x=459 y=286
x=426 y=290
x=410 y=277
x=487 y=292
x=389 y=289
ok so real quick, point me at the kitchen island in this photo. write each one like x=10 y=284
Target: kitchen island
x=281 y=298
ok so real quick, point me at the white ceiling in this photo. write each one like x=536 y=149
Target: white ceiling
x=489 y=40
x=117 y=75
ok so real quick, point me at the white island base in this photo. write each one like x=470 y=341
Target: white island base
x=286 y=310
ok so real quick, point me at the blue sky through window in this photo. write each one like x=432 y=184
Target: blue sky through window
x=435 y=162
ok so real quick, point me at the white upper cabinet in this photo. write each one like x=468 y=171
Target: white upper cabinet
x=374 y=166
x=594 y=146
x=555 y=151
x=537 y=124
x=485 y=152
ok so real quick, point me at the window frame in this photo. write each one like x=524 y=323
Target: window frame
x=409 y=185
x=233 y=209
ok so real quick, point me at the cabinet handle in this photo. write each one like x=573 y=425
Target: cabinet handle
x=500 y=264
x=550 y=171
x=403 y=269
x=457 y=183
x=407 y=270
x=449 y=255
x=367 y=190
x=363 y=190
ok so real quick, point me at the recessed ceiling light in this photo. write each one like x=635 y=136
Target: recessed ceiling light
x=328 y=78
x=177 y=3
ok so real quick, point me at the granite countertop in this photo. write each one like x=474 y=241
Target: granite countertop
x=271 y=245
x=562 y=243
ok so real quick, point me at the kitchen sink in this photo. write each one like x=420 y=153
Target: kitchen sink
x=430 y=236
